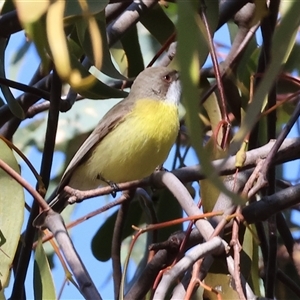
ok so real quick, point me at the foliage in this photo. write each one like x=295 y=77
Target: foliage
x=237 y=243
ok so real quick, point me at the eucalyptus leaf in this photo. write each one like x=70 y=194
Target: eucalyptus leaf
x=134 y=56
x=74 y=9
x=31 y=11
x=283 y=42
x=162 y=28
x=165 y=201
x=43 y=280
x=84 y=35
x=11 y=213
x=31 y=15
x=95 y=89
x=8 y=6
x=101 y=242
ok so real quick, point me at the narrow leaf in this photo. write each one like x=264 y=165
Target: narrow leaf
x=283 y=42
x=11 y=213
x=43 y=281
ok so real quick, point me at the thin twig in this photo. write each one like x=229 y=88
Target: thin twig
x=86 y=217
x=25 y=88
x=45 y=174
x=293 y=286
x=270 y=205
x=215 y=63
x=11 y=172
x=55 y=223
x=262 y=179
x=235 y=244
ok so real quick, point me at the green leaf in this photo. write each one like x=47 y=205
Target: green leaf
x=43 y=281
x=211 y=10
x=254 y=256
x=162 y=28
x=248 y=258
x=7 y=7
x=31 y=15
x=11 y=213
x=120 y=58
x=101 y=242
x=247 y=64
x=67 y=64
x=58 y=42
x=31 y=11
x=218 y=277
x=167 y=209
x=283 y=42
x=74 y=45
x=37 y=32
x=131 y=46
x=292 y=63
x=190 y=28
x=74 y=9
x=84 y=36
x=96 y=89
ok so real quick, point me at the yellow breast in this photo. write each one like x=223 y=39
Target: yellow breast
x=137 y=145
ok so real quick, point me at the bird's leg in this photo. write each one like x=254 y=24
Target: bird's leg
x=161 y=168
x=112 y=184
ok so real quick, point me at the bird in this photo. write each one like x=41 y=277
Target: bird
x=131 y=140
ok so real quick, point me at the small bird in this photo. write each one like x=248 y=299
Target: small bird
x=131 y=140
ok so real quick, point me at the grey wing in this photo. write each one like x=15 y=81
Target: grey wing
x=77 y=158
x=110 y=120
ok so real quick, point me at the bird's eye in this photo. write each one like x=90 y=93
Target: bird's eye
x=167 y=78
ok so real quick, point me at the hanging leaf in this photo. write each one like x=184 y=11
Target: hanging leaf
x=86 y=41
x=131 y=46
x=11 y=213
x=162 y=28
x=283 y=42
x=43 y=280
x=101 y=242
x=75 y=8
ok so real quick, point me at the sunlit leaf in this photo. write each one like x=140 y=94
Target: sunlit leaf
x=96 y=89
x=31 y=11
x=120 y=58
x=31 y=15
x=83 y=30
x=58 y=42
x=67 y=65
